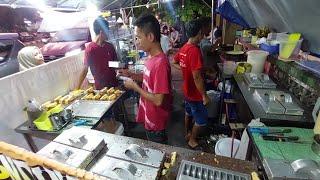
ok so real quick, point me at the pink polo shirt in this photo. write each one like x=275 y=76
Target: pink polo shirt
x=157 y=80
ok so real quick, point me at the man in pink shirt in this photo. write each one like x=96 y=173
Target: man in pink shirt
x=156 y=93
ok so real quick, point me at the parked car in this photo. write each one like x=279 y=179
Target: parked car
x=9 y=48
x=65 y=41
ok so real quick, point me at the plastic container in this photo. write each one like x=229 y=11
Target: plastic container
x=43 y=122
x=229 y=67
x=278 y=36
x=257 y=59
x=33 y=111
x=272 y=49
x=120 y=129
x=213 y=106
x=289 y=49
x=223 y=147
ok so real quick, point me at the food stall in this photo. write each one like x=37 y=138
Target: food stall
x=278 y=90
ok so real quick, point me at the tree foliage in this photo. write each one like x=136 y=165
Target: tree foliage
x=191 y=10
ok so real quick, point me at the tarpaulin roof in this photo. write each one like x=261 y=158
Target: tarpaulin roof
x=284 y=16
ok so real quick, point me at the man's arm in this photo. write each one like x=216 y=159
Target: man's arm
x=199 y=82
x=82 y=76
x=156 y=99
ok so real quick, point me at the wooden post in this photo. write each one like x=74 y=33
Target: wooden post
x=229 y=32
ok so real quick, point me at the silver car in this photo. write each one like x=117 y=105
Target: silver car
x=9 y=48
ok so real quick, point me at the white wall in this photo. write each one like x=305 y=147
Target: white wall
x=43 y=83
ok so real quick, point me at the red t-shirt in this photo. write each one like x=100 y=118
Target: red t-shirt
x=190 y=59
x=157 y=80
x=97 y=58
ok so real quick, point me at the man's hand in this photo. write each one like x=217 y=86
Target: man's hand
x=130 y=84
x=205 y=99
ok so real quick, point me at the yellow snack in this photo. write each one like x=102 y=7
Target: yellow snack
x=104 y=90
x=104 y=97
x=112 y=97
x=164 y=172
x=173 y=158
x=90 y=96
x=118 y=92
x=61 y=100
x=85 y=97
x=57 y=98
x=50 y=105
x=255 y=176
x=89 y=90
x=167 y=165
x=76 y=92
x=69 y=99
x=97 y=97
x=110 y=91
x=45 y=104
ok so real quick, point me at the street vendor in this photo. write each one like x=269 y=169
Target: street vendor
x=156 y=93
x=98 y=53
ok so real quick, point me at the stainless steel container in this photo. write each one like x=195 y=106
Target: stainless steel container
x=65 y=154
x=137 y=154
x=120 y=169
x=77 y=138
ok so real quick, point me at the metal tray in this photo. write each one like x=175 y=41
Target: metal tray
x=88 y=108
x=277 y=102
x=259 y=80
x=281 y=169
x=68 y=155
x=191 y=171
x=252 y=80
x=76 y=137
x=268 y=102
x=134 y=153
x=119 y=169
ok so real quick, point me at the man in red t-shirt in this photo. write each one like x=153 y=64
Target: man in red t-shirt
x=189 y=60
x=156 y=94
x=98 y=53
